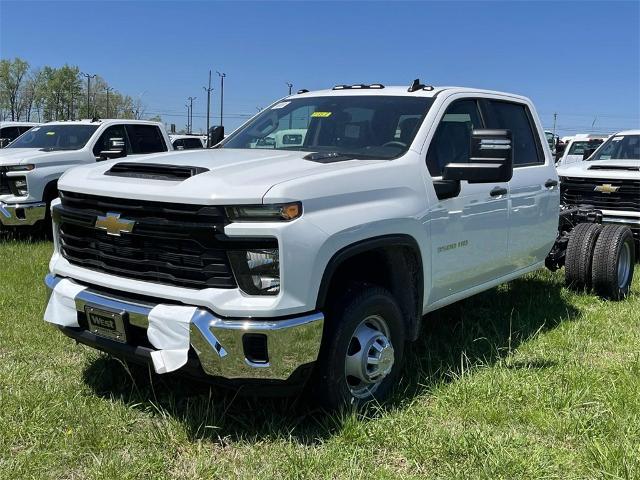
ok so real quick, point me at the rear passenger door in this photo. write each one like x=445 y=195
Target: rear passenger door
x=534 y=190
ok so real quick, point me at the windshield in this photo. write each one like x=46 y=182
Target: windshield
x=55 y=137
x=619 y=147
x=353 y=126
x=578 y=148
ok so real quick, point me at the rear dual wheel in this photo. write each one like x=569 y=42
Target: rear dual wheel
x=601 y=258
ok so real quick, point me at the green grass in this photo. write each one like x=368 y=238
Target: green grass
x=528 y=380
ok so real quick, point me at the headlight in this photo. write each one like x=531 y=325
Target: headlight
x=257 y=271
x=265 y=213
x=18 y=186
x=21 y=168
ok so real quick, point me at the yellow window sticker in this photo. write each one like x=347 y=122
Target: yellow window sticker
x=321 y=114
x=51 y=133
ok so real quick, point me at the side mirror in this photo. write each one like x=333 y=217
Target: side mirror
x=4 y=142
x=588 y=152
x=216 y=135
x=490 y=159
x=117 y=149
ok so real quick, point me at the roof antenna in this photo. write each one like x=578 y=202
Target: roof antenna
x=416 y=85
x=95 y=119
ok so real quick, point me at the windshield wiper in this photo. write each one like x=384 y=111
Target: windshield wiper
x=328 y=157
x=55 y=149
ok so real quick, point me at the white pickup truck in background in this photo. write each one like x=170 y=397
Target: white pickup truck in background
x=609 y=180
x=31 y=165
x=9 y=131
x=578 y=146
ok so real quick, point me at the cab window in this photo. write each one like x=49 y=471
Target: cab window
x=516 y=118
x=452 y=139
x=114 y=131
x=145 y=139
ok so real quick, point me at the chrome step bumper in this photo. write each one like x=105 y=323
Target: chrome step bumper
x=220 y=344
x=27 y=214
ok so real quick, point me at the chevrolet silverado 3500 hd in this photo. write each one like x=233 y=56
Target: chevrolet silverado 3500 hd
x=312 y=261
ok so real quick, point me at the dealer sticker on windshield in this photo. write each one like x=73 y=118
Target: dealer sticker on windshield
x=321 y=114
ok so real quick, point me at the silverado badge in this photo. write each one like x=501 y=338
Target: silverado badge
x=606 y=188
x=114 y=225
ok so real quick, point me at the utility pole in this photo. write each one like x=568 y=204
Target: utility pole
x=290 y=85
x=191 y=99
x=221 y=75
x=188 y=117
x=107 y=89
x=88 y=77
x=208 y=90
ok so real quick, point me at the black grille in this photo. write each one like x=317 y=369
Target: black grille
x=173 y=244
x=582 y=191
x=4 y=183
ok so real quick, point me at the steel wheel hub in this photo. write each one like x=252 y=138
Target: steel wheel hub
x=370 y=356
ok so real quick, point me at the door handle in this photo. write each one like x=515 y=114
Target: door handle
x=498 y=191
x=550 y=183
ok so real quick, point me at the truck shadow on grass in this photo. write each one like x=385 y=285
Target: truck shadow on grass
x=478 y=331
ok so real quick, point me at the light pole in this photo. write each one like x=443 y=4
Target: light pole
x=208 y=90
x=191 y=99
x=188 y=117
x=108 y=89
x=88 y=77
x=290 y=85
x=221 y=75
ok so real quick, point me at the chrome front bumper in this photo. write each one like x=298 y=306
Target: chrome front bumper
x=22 y=213
x=220 y=344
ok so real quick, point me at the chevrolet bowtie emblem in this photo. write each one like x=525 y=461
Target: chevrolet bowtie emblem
x=606 y=188
x=114 y=225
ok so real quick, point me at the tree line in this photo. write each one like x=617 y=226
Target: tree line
x=49 y=93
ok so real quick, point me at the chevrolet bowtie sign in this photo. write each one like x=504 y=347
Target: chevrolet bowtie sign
x=114 y=225
x=606 y=188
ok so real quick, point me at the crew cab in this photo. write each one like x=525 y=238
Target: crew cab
x=311 y=260
x=9 y=131
x=188 y=141
x=578 y=146
x=31 y=165
x=608 y=179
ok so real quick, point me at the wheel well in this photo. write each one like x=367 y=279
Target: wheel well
x=392 y=263
x=50 y=191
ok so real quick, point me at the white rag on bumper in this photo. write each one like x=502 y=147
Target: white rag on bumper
x=168 y=331
x=61 y=309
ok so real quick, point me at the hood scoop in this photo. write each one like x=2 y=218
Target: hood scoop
x=153 y=171
x=615 y=167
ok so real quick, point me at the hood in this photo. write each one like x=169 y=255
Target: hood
x=18 y=156
x=612 y=169
x=233 y=176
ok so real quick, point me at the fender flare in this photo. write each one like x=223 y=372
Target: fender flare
x=394 y=240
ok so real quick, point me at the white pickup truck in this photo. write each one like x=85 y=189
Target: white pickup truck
x=313 y=262
x=9 y=131
x=608 y=179
x=31 y=165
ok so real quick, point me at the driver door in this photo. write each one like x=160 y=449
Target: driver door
x=469 y=232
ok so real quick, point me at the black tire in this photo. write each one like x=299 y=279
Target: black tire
x=613 y=262
x=577 y=266
x=331 y=388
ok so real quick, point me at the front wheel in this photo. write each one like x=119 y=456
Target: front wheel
x=362 y=349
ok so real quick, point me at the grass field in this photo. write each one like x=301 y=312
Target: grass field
x=528 y=380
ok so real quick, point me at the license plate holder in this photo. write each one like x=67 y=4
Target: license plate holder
x=107 y=323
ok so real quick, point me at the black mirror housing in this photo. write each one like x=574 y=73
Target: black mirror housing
x=4 y=142
x=490 y=159
x=117 y=149
x=216 y=135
